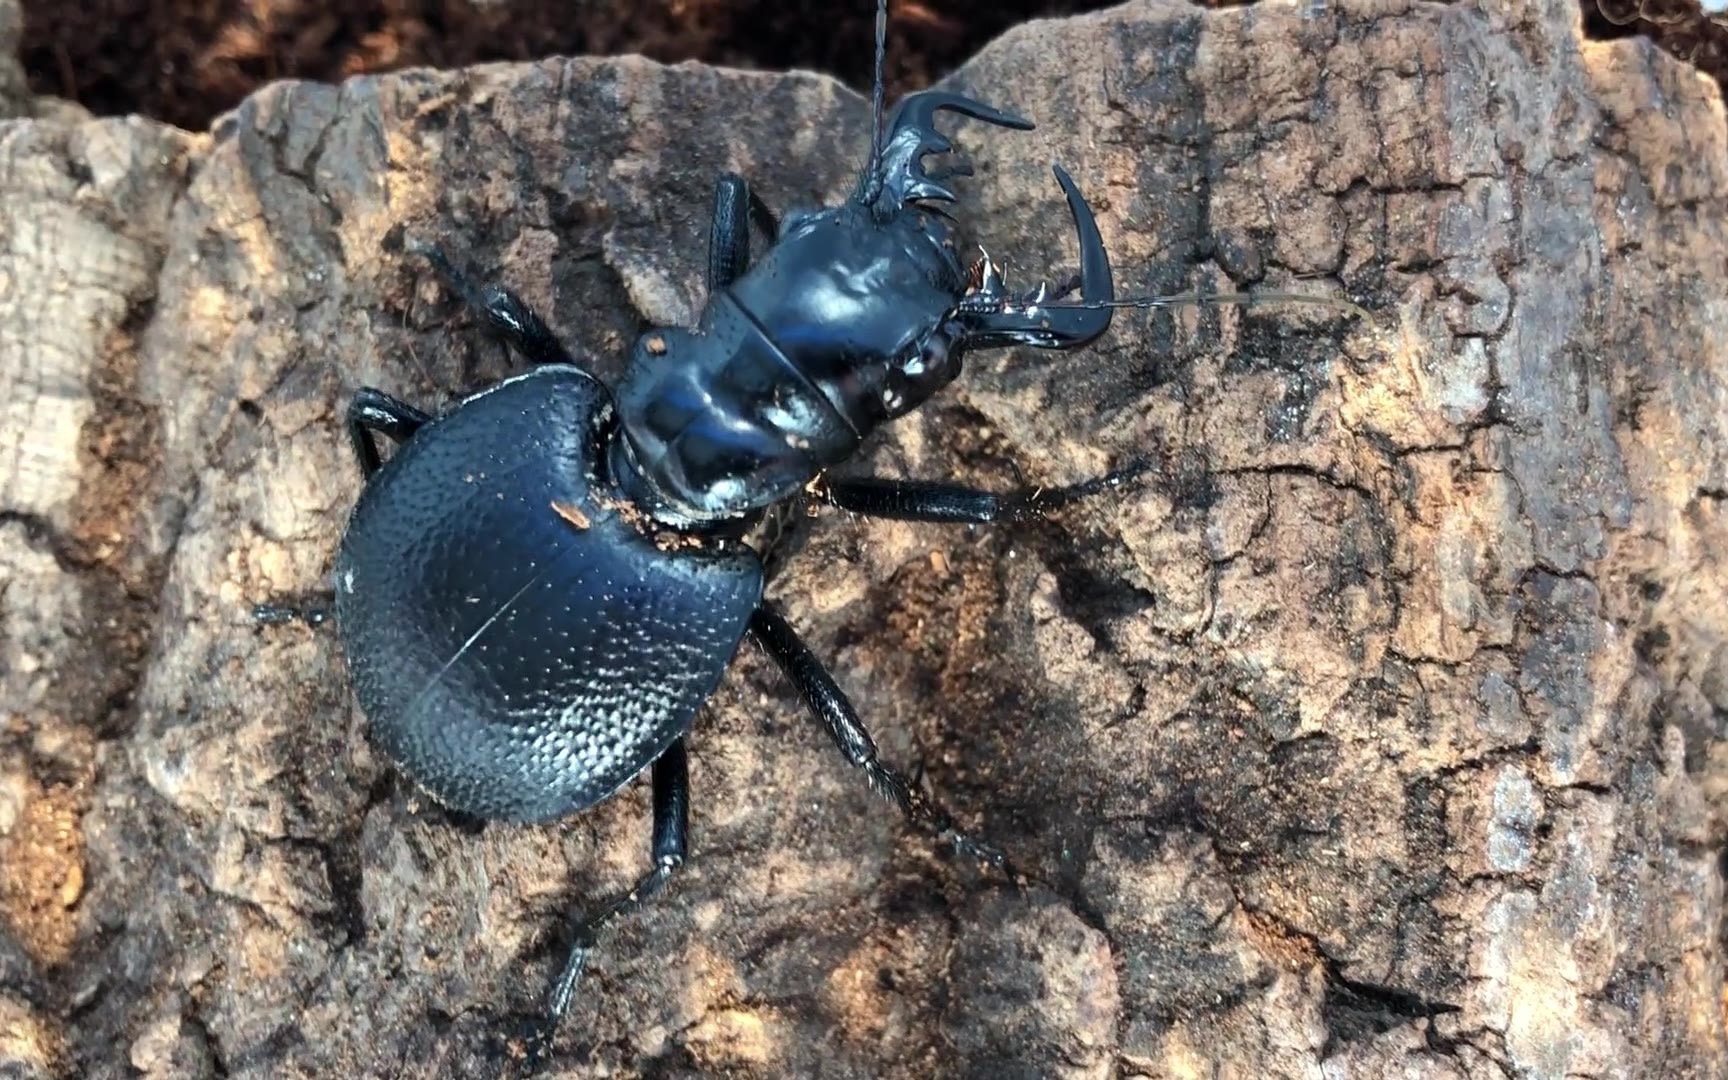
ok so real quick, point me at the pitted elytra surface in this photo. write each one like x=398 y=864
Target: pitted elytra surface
x=520 y=647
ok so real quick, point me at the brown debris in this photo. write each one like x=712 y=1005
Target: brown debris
x=572 y=514
x=188 y=61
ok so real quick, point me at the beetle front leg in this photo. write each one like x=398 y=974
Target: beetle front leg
x=508 y=314
x=830 y=704
x=916 y=500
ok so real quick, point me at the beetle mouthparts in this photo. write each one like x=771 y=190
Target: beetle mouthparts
x=896 y=175
x=993 y=318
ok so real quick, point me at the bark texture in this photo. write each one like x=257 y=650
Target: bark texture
x=1380 y=734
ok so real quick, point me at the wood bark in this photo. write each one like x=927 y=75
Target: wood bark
x=1379 y=732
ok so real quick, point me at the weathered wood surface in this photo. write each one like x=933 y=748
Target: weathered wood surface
x=1381 y=735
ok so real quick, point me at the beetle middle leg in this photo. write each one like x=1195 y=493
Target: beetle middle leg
x=373 y=410
x=825 y=698
x=917 y=500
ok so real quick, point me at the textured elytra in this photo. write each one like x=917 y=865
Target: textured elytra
x=518 y=646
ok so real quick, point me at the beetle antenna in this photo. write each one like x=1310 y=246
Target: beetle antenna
x=1247 y=299
x=870 y=184
x=877 y=89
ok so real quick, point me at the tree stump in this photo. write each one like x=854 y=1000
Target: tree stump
x=1379 y=731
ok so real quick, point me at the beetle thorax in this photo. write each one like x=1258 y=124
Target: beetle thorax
x=842 y=326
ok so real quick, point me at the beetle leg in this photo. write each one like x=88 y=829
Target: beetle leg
x=373 y=410
x=829 y=702
x=275 y=613
x=735 y=207
x=508 y=314
x=917 y=500
x=670 y=845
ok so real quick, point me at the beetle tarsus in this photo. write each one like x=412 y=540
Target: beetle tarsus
x=277 y=613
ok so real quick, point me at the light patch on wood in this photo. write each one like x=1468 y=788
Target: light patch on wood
x=44 y=858
x=731 y=1038
x=862 y=1003
x=1181 y=1061
x=27 y=1041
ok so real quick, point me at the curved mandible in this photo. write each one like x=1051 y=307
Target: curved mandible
x=1003 y=320
x=895 y=175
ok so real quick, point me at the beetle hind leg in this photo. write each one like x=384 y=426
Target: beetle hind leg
x=830 y=704
x=374 y=411
x=670 y=846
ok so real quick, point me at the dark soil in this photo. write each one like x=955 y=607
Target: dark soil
x=185 y=61
x=1679 y=26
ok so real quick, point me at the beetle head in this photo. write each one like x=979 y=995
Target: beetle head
x=987 y=316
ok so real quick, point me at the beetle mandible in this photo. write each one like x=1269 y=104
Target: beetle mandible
x=539 y=589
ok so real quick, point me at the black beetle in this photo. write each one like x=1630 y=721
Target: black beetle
x=540 y=588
